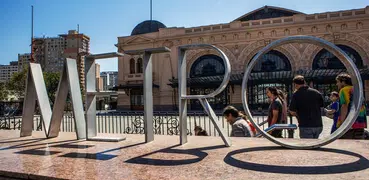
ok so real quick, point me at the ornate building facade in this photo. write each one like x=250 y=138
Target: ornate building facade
x=240 y=40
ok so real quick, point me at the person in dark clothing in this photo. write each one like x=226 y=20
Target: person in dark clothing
x=277 y=111
x=306 y=104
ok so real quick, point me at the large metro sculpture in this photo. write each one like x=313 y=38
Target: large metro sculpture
x=86 y=124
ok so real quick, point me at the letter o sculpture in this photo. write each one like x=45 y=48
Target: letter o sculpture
x=351 y=68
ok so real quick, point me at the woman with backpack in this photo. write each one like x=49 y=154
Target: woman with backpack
x=241 y=127
x=277 y=112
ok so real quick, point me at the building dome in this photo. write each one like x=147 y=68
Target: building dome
x=144 y=27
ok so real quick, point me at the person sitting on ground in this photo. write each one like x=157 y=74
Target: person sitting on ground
x=240 y=126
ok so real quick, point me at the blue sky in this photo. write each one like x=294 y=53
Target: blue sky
x=105 y=20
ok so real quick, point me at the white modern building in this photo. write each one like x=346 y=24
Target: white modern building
x=110 y=80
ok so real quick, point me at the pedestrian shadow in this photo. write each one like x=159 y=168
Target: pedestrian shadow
x=198 y=152
x=358 y=165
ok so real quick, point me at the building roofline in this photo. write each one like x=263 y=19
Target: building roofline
x=235 y=27
x=274 y=7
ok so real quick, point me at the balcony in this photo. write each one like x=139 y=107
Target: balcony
x=136 y=77
x=133 y=77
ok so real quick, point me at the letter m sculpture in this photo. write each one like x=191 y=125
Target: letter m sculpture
x=51 y=120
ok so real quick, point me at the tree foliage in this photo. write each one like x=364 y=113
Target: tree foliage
x=51 y=82
x=3 y=91
x=17 y=83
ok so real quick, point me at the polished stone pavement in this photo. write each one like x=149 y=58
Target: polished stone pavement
x=202 y=158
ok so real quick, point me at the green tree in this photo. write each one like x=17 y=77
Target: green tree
x=3 y=91
x=17 y=83
x=51 y=82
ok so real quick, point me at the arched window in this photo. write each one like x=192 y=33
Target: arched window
x=139 y=65
x=132 y=66
x=207 y=65
x=326 y=60
x=272 y=61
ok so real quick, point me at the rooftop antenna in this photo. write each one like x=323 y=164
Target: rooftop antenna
x=32 y=60
x=150 y=15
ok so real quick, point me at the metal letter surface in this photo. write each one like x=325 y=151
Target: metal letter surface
x=183 y=97
x=147 y=87
x=351 y=68
x=90 y=74
x=51 y=120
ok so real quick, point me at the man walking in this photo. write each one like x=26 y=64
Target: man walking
x=306 y=105
x=345 y=97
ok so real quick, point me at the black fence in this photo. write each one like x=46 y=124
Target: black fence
x=11 y=108
x=125 y=122
x=14 y=123
x=164 y=123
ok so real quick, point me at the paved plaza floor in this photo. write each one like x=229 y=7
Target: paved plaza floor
x=65 y=157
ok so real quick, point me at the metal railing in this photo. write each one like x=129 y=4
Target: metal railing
x=165 y=123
